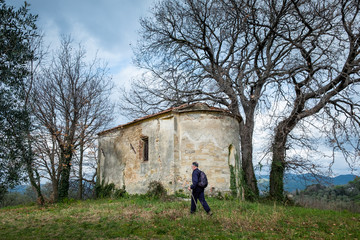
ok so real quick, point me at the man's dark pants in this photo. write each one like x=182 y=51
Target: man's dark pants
x=199 y=195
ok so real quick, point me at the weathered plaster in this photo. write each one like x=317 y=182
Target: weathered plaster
x=176 y=139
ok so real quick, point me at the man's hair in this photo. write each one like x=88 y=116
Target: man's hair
x=195 y=164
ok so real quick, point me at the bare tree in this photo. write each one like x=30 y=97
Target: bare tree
x=96 y=115
x=47 y=159
x=322 y=72
x=223 y=52
x=34 y=65
x=70 y=99
x=344 y=131
x=86 y=158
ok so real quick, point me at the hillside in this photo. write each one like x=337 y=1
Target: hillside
x=142 y=218
x=300 y=182
x=343 y=179
x=349 y=192
x=19 y=189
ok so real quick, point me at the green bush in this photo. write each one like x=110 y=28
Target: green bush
x=156 y=190
x=104 y=190
x=108 y=190
x=219 y=196
x=228 y=196
x=120 y=193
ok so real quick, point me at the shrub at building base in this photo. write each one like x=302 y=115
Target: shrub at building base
x=109 y=191
x=156 y=190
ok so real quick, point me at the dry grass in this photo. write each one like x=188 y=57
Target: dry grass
x=138 y=218
x=311 y=202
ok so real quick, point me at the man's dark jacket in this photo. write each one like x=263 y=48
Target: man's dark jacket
x=195 y=181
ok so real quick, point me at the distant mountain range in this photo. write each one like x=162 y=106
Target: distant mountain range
x=19 y=189
x=292 y=182
x=300 y=182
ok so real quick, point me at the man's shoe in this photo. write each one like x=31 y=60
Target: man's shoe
x=209 y=213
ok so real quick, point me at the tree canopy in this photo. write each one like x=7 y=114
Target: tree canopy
x=248 y=55
x=17 y=28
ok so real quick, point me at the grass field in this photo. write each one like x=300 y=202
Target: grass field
x=140 y=218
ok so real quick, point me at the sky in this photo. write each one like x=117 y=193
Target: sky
x=108 y=29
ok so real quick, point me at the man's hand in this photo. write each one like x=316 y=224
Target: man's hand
x=189 y=188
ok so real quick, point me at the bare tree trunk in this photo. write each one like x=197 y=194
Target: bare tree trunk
x=65 y=175
x=28 y=156
x=64 y=183
x=278 y=167
x=251 y=189
x=278 y=164
x=55 y=188
x=35 y=184
x=80 y=190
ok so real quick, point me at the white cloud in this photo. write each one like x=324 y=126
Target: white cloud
x=124 y=77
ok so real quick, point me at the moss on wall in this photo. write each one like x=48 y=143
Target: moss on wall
x=236 y=180
x=233 y=187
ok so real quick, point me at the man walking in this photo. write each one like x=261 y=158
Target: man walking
x=197 y=191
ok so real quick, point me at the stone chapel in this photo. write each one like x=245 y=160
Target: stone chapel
x=161 y=147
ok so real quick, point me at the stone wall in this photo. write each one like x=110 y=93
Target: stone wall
x=206 y=138
x=175 y=139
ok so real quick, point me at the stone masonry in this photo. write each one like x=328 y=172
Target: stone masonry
x=161 y=147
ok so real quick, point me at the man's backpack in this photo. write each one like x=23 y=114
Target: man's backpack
x=203 y=182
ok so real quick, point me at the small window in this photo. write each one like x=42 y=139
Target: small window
x=145 y=141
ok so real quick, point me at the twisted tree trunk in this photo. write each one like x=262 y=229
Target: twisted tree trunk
x=250 y=188
x=278 y=166
x=65 y=174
